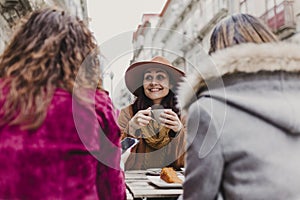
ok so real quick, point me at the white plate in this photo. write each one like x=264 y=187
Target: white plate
x=156 y=180
x=182 y=170
x=153 y=171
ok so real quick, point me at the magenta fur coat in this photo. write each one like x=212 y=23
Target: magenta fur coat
x=74 y=154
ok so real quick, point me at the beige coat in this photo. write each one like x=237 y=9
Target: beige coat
x=141 y=158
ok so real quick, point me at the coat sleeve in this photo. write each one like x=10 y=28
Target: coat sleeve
x=123 y=122
x=179 y=140
x=204 y=160
x=110 y=178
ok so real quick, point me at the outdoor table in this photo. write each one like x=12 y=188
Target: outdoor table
x=140 y=187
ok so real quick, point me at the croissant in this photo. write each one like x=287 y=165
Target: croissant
x=169 y=175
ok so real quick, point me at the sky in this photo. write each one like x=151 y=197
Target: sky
x=113 y=22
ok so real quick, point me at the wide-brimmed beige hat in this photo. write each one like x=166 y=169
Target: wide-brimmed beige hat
x=134 y=75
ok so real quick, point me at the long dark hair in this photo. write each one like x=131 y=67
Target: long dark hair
x=142 y=102
x=44 y=54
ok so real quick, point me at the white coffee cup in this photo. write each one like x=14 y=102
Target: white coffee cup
x=156 y=114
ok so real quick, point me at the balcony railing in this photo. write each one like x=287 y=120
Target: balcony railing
x=280 y=17
x=13 y=10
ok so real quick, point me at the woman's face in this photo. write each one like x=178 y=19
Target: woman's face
x=156 y=84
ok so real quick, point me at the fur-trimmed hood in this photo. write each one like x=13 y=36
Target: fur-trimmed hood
x=247 y=58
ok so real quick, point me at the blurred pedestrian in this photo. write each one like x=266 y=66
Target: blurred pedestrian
x=45 y=132
x=243 y=134
x=161 y=140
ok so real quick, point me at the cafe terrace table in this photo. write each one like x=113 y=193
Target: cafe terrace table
x=139 y=187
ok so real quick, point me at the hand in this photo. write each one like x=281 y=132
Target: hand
x=170 y=120
x=124 y=158
x=141 y=118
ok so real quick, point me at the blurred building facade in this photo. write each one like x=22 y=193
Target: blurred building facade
x=11 y=11
x=181 y=31
x=184 y=27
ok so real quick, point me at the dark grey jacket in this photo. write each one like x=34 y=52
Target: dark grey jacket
x=243 y=138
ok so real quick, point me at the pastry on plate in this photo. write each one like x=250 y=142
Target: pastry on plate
x=169 y=175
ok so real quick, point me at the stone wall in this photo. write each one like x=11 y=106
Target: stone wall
x=5 y=32
x=11 y=11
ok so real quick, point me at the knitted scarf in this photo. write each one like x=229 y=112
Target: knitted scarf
x=155 y=135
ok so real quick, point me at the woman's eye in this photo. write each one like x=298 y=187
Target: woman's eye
x=160 y=77
x=148 y=78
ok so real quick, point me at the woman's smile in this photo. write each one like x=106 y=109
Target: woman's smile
x=155 y=89
x=156 y=84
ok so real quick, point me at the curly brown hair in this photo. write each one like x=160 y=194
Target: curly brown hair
x=43 y=55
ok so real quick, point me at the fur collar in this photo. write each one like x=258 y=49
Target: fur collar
x=247 y=58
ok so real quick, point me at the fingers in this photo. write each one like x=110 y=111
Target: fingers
x=170 y=120
x=175 y=127
x=143 y=117
x=169 y=117
x=142 y=122
x=170 y=112
x=146 y=112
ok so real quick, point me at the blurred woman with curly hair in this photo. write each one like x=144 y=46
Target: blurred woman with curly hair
x=56 y=123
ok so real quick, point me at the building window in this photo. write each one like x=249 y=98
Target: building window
x=279 y=14
x=209 y=9
x=271 y=8
x=274 y=7
x=280 y=5
x=222 y=4
x=217 y=5
x=243 y=6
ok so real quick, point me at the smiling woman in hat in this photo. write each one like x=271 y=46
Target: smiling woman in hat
x=161 y=140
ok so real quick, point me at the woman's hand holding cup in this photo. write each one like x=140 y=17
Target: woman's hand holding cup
x=170 y=120
x=141 y=118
